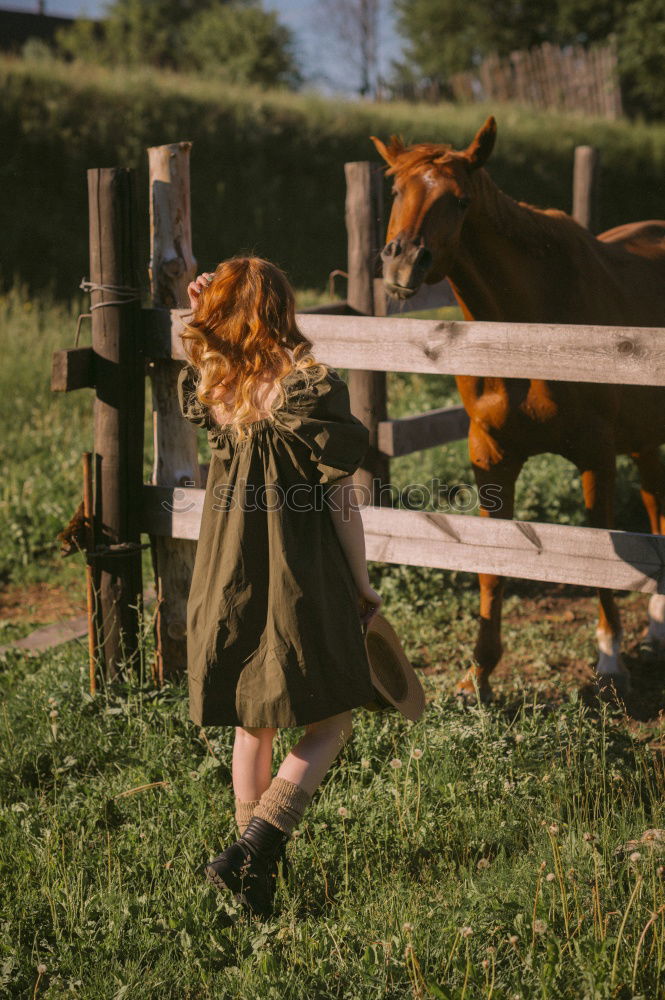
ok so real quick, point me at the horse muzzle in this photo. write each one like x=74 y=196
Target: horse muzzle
x=405 y=267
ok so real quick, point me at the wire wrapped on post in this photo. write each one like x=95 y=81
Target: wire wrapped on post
x=124 y=293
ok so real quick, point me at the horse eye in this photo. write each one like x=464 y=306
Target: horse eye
x=463 y=203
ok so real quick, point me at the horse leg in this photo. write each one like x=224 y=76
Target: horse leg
x=488 y=648
x=598 y=487
x=652 y=480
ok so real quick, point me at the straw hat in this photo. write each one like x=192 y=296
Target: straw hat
x=393 y=677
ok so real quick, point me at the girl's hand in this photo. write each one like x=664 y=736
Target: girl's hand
x=369 y=603
x=194 y=288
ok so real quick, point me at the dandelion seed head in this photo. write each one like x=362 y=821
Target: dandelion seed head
x=364 y=763
x=483 y=863
x=539 y=926
x=635 y=856
x=395 y=762
x=513 y=939
x=407 y=928
x=416 y=754
x=466 y=931
x=54 y=713
x=519 y=737
x=343 y=812
x=550 y=877
x=553 y=828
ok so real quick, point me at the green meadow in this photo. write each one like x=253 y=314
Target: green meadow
x=489 y=852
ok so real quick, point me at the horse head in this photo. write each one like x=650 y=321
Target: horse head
x=432 y=193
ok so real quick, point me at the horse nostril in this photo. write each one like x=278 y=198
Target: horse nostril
x=392 y=249
x=423 y=258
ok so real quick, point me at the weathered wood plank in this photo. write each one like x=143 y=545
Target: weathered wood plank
x=554 y=553
x=366 y=295
x=628 y=355
x=586 y=187
x=73 y=368
x=118 y=412
x=425 y=430
x=172 y=267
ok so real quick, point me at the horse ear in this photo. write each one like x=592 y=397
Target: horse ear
x=478 y=152
x=391 y=152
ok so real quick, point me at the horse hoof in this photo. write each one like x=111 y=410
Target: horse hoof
x=467 y=696
x=613 y=687
x=651 y=651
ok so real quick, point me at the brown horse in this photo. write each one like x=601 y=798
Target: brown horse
x=509 y=261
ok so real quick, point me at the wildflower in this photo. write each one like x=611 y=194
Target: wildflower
x=513 y=939
x=41 y=968
x=635 y=856
x=466 y=931
x=52 y=702
x=416 y=754
x=395 y=762
x=483 y=863
x=539 y=926
x=53 y=714
x=485 y=963
x=554 y=829
x=407 y=928
x=343 y=812
x=550 y=877
x=364 y=763
x=519 y=737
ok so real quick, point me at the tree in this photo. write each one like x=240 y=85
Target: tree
x=445 y=36
x=243 y=44
x=237 y=39
x=354 y=27
x=641 y=48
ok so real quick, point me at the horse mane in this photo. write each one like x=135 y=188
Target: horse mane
x=408 y=161
x=534 y=228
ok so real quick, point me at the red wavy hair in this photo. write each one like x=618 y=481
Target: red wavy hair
x=243 y=335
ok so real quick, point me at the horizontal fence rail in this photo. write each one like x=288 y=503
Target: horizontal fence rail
x=576 y=353
x=591 y=557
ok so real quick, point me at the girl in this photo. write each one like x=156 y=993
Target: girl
x=280 y=592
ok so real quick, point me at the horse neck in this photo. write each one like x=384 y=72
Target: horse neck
x=506 y=265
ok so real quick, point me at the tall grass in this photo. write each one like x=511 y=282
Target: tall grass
x=474 y=854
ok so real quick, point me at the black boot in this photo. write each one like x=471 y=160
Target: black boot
x=249 y=867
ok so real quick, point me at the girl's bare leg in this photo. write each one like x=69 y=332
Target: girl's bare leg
x=310 y=759
x=252 y=762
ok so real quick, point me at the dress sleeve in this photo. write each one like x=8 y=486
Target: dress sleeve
x=190 y=407
x=335 y=440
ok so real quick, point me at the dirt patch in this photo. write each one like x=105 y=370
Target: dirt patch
x=39 y=603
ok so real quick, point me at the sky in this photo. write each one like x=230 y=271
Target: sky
x=324 y=65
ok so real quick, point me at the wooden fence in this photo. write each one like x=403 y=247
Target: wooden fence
x=571 y=79
x=129 y=341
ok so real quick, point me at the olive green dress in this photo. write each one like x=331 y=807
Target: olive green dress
x=274 y=636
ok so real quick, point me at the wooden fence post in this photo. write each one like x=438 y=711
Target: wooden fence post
x=586 y=187
x=172 y=267
x=364 y=223
x=118 y=413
